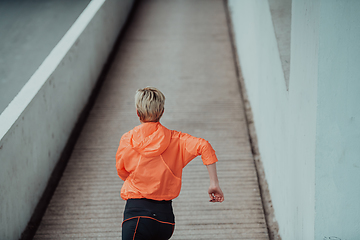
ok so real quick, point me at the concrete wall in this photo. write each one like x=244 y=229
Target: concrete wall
x=36 y=125
x=25 y=42
x=302 y=120
x=284 y=120
x=338 y=121
x=308 y=135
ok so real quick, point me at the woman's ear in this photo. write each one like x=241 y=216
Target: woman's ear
x=137 y=112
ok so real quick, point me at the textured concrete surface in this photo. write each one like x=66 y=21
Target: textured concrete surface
x=29 y=30
x=183 y=48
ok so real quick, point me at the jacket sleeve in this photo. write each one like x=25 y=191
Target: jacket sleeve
x=120 y=160
x=193 y=147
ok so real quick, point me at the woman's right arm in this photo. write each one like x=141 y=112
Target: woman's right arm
x=215 y=193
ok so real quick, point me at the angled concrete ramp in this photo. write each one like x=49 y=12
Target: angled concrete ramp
x=183 y=48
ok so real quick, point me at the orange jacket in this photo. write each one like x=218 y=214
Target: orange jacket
x=150 y=159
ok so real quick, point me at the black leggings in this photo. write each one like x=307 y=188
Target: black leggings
x=148 y=219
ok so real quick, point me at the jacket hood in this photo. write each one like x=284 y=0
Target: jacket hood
x=150 y=139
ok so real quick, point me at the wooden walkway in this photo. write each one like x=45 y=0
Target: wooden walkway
x=182 y=48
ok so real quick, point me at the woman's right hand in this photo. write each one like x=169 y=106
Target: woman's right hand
x=215 y=194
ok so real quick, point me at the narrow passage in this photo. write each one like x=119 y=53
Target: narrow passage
x=182 y=48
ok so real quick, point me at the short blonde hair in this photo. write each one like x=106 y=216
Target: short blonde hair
x=149 y=103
